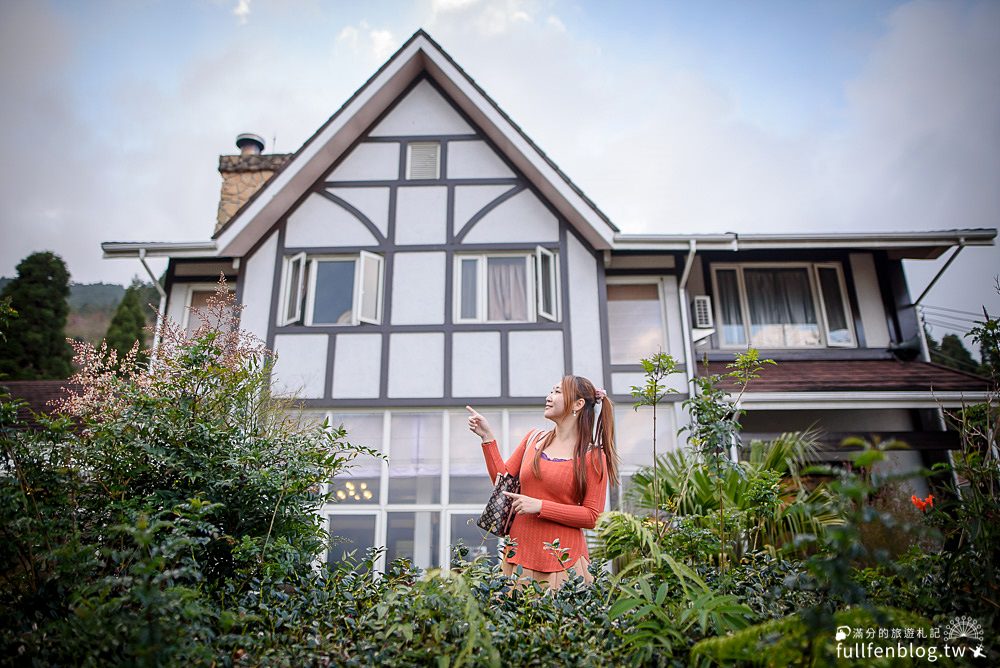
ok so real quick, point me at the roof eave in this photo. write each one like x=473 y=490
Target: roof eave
x=169 y=249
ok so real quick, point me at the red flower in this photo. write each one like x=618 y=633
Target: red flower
x=922 y=504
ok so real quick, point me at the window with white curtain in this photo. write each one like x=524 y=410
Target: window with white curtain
x=509 y=287
x=332 y=290
x=782 y=306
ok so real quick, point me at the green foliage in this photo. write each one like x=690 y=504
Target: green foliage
x=790 y=642
x=128 y=325
x=35 y=347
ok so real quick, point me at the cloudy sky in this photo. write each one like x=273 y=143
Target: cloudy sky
x=845 y=115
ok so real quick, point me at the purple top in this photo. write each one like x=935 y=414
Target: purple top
x=555 y=459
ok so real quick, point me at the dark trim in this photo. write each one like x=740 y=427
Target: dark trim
x=362 y=218
x=385 y=183
x=205 y=278
x=418 y=248
x=671 y=398
x=906 y=313
x=331 y=347
x=881 y=273
x=168 y=282
x=417 y=402
x=487 y=208
x=633 y=368
x=389 y=139
x=240 y=280
x=366 y=328
x=449 y=290
x=563 y=308
x=390 y=262
x=442 y=157
x=276 y=284
x=807 y=354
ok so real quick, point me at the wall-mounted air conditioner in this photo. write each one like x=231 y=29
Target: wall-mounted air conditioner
x=702 y=312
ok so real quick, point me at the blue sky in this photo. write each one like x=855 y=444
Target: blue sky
x=790 y=116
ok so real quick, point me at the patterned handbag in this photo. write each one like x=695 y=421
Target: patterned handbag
x=499 y=512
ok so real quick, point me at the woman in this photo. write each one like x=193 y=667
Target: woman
x=564 y=477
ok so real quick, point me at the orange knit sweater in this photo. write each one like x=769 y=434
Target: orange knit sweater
x=561 y=516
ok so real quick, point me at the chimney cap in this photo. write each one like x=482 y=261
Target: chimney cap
x=249 y=143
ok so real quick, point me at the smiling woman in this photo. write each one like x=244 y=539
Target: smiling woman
x=564 y=475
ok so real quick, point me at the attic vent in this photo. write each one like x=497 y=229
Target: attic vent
x=423 y=160
x=703 y=312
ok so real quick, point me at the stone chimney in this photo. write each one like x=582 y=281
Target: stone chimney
x=244 y=174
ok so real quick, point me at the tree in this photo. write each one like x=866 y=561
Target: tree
x=35 y=347
x=128 y=323
x=956 y=355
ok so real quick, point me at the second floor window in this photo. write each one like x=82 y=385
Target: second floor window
x=782 y=306
x=332 y=290
x=512 y=287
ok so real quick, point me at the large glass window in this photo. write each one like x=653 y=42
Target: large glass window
x=507 y=288
x=351 y=533
x=479 y=543
x=334 y=290
x=789 y=306
x=198 y=312
x=635 y=321
x=362 y=481
x=415 y=458
x=468 y=480
x=413 y=536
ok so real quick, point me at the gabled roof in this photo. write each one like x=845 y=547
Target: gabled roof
x=420 y=56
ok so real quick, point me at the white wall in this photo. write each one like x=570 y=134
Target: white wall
x=418 y=288
x=422 y=112
x=475 y=368
x=469 y=200
x=475 y=159
x=258 y=282
x=584 y=312
x=520 y=219
x=862 y=268
x=372 y=202
x=416 y=365
x=369 y=162
x=536 y=362
x=320 y=222
x=357 y=366
x=301 y=367
x=421 y=215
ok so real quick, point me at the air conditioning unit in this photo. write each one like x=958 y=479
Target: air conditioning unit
x=702 y=312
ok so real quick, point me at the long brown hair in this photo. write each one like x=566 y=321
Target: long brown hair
x=603 y=439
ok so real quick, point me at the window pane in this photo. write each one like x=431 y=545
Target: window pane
x=470 y=288
x=522 y=422
x=350 y=533
x=199 y=314
x=733 y=332
x=479 y=543
x=634 y=436
x=546 y=276
x=833 y=300
x=782 y=313
x=635 y=322
x=334 y=298
x=293 y=298
x=415 y=458
x=413 y=536
x=362 y=481
x=371 y=277
x=507 y=288
x=469 y=481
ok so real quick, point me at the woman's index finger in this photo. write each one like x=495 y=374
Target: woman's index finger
x=473 y=411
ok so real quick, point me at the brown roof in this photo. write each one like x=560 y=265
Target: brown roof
x=857 y=376
x=37 y=395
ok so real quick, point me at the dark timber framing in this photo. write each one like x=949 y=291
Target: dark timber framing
x=455 y=233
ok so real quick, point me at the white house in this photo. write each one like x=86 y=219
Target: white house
x=420 y=253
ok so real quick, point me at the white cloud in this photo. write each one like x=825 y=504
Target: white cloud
x=555 y=23
x=242 y=11
x=383 y=43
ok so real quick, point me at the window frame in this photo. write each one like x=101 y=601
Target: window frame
x=531 y=280
x=307 y=293
x=661 y=297
x=541 y=252
x=189 y=297
x=812 y=271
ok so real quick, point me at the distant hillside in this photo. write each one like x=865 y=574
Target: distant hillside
x=92 y=305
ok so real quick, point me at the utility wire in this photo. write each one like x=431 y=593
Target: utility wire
x=952 y=310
